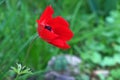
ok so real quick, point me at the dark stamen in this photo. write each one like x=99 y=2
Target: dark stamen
x=48 y=28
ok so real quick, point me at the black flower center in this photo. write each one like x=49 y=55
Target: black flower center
x=48 y=28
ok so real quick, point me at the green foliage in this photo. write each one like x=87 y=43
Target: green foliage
x=115 y=73
x=20 y=70
x=96 y=27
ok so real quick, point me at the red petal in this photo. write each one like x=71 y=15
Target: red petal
x=64 y=33
x=47 y=14
x=60 y=27
x=60 y=43
x=59 y=20
x=46 y=34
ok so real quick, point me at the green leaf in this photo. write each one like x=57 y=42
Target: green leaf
x=96 y=57
x=116 y=48
x=116 y=58
x=108 y=61
x=115 y=73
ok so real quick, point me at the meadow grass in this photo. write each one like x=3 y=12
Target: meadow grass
x=95 y=27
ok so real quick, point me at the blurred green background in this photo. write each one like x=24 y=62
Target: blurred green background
x=96 y=27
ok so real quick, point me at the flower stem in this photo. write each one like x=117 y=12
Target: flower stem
x=16 y=76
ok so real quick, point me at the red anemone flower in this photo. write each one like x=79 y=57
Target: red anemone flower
x=54 y=30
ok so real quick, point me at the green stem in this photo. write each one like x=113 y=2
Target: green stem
x=17 y=77
x=35 y=73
